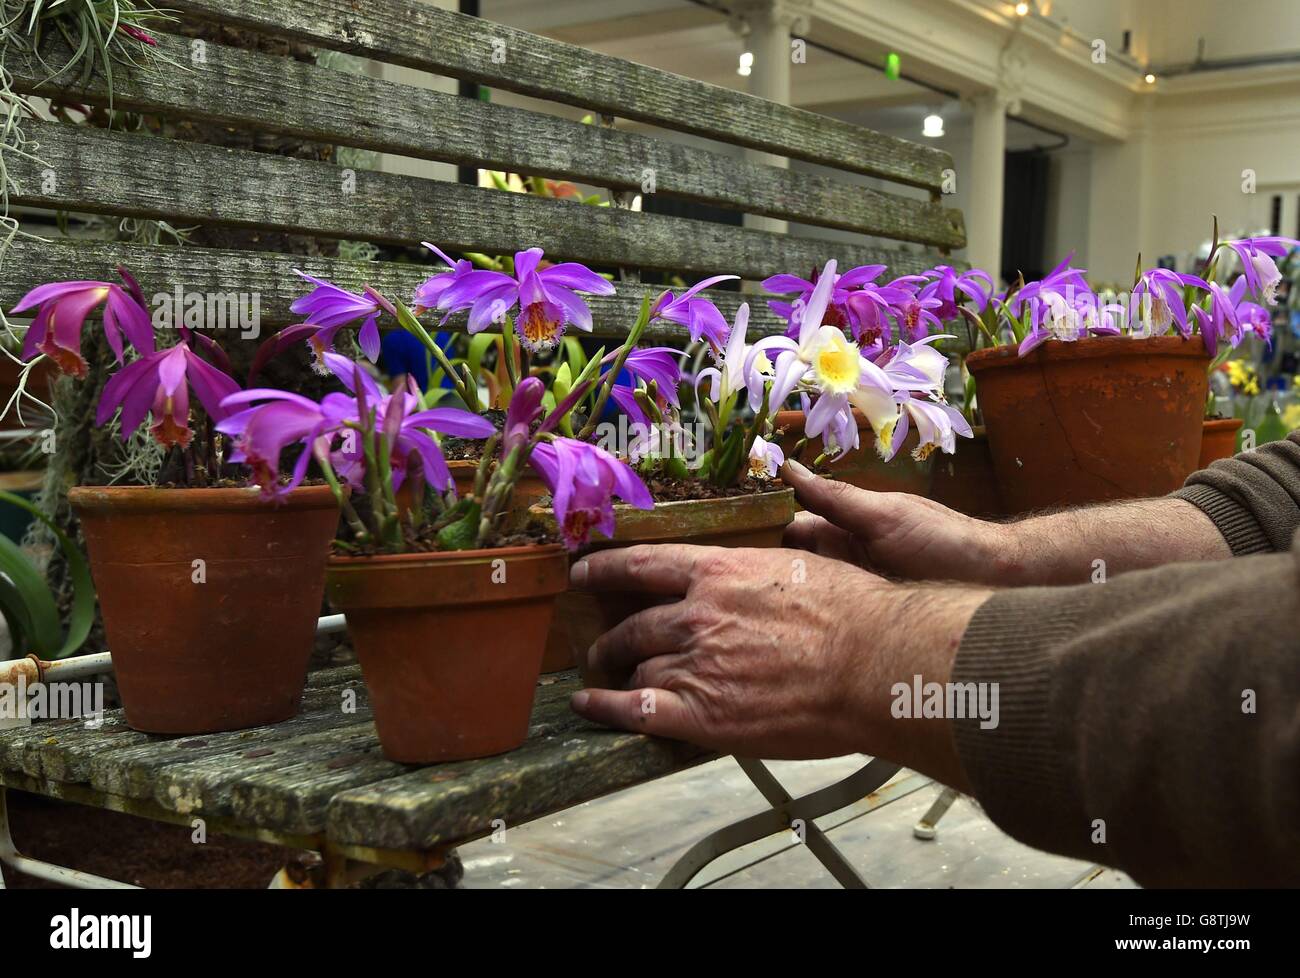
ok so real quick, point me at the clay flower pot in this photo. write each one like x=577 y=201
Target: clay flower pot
x=1098 y=419
x=528 y=490
x=754 y=520
x=450 y=644
x=864 y=468
x=965 y=481
x=210 y=599
x=1218 y=440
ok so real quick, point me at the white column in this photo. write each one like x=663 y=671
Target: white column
x=766 y=27
x=984 y=189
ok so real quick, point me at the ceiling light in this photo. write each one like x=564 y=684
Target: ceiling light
x=1150 y=78
x=746 y=63
x=1022 y=9
x=933 y=126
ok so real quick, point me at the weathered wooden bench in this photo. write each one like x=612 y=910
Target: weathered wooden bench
x=319 y=780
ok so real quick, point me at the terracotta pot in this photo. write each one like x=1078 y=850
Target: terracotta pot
x=1098 y=419
x=450 y=644
x=757 y=520
x=528 y=490
x=863 y=468
x=1219 y=440
x=229 y=650
x=965 y=481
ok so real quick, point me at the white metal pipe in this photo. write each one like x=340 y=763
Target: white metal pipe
x=37 y=670
x=76 y=667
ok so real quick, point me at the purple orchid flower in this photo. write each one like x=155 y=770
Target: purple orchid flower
x=1258 y=266
x=700 y=316
x=263 y=431
x=765 y=459
x=524 y=410
x=64 y=307
x=975 y=285
x=1158 y=301
x=1250 y=315
x=1215 y=321
x=429 y=292
x=872 y=307
x=330 y=308
x=659 y=364
x=159 y=384
x=917 y=316
x=583 y=479
x=548 y=298
x=837 y=312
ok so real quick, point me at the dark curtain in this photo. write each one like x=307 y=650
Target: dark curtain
x=1024 y=215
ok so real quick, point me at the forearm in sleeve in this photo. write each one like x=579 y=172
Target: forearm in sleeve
x=1150 y=723
x=1253 y=498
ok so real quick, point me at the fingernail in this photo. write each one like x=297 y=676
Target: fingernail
x=580 y=700
x=797 y=468
x=578 y=574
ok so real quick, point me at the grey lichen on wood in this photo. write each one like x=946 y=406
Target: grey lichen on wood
x=135 y=175
x=324 y=769
x=422 y=36
x=264 y=92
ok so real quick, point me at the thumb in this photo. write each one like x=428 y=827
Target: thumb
x=857 y=511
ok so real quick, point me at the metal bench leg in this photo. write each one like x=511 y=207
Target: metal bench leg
x=9 y=856
x=927 y=828
x=786 y=811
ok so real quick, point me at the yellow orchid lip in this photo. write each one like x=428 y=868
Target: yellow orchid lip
x=837 y=364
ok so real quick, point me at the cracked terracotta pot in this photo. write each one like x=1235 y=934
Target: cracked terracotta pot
x=1097 y=419
x=752 y=520
x=450 y=644
x=218 y=645
x=1219 y=440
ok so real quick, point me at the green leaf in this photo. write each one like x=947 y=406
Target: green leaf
x=479 y=344
x=36 y=592
x=573 y=354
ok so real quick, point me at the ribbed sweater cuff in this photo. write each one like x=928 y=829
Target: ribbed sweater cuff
x=1239 y=527
x=1017 y=768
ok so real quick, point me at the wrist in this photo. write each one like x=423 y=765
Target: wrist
x=905 y=646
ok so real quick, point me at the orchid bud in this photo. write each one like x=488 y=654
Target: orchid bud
x=525 y=408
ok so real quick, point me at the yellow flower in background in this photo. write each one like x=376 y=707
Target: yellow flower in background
x=1243 y=376
x=1291 y=417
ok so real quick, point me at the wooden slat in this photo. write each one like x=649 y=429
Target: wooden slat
x=452 y=803
x=324 y=768
x=137 y=175
x=248 y=88
x=421 y=36
x=270 y=276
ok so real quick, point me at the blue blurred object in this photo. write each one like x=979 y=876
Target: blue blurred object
x=401 y=353
x=612 y=410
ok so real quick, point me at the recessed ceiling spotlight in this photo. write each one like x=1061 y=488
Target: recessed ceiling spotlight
x=933 y=126
x=1022 y=9
x=1150 y=78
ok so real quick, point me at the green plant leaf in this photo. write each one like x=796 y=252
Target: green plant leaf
x=36 y=592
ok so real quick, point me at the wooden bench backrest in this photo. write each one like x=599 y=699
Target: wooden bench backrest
x=131 y=174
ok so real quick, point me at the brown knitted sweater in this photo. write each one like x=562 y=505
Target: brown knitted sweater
x=1159 y=711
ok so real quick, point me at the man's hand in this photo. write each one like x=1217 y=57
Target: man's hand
x=907 y=536
x=898 y=534
x=773 y=653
